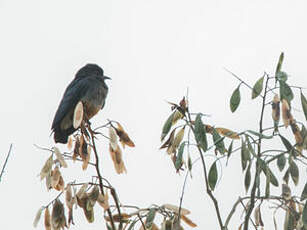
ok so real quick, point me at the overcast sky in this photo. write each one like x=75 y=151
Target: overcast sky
x=153 y=51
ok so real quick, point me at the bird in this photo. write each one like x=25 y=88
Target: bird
x=90 y=88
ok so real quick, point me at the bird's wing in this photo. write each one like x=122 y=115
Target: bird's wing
x=72 y=95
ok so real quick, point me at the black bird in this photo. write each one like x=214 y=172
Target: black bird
x=89 y=87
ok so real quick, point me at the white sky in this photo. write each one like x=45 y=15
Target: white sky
x=153 y=51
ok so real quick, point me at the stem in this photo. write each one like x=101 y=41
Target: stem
x=6 y=159
x=209 y=192
x=253 y=191
x=100 y=177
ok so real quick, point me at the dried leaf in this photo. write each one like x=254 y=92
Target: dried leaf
x=103 y=200
x=228 y=133
x=175 y=209
x=178 y=138
x=47 y=219
x=116 y=156
x=46 y=168
x=58 y=219
x=82 y=190
x=167 y=126
x=56 y=174
x=78 y=115
x=258 y=218
x=286 y=114
x=257 y=88
x=38 y=216
x=124 y=217
x=188 y=221
x=69 y=143
x=169 y=141
x=60 y=157
x=177 y=116
x=235 y=99
x=276 y=112
x=123 y=136
x=113 y=137
x=304 y=104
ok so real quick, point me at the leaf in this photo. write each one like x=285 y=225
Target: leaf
x=260 y=135
x=167 y=126
x=235 y=99
x=285 y=91
x=150 y=218
x=279 y=64
x=267 y=184
x=218 y=141
x=286 y=192
x=38 y=216
x=178 y=138
x=286 y=143
x=212 y=176
x=229 y=150
x=286 y=176
x=247 y=179
x=257 y=89
x=131 y=226
x=281 y=162
x=282 y=76
x=123 y=136
x=46 y=168
x=113 y=137
x=228 y=133
x=276 y=111
x=190 y=164
x=188 y=221
x=78 y=115
x=304 y=104
x=60 y=157
x=58 y=219
x=47 y=221
x=265 y=168
x=245 y=155
x=175 y=209
x=178 y=162
x=304 y=193
x=177 y=116
x=294 y=172
x=200 y=133
x=304 y=215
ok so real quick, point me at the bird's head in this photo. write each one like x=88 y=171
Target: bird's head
x=91 y=70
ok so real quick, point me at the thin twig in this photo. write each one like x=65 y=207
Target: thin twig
x=5 y=162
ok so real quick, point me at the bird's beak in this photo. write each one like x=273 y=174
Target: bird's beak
x=106 y=77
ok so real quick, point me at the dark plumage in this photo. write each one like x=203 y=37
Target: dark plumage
x=89 y=87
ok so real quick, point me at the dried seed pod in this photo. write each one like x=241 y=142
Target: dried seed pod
x=116 y=156
x=46 y=168
x=103 y=200
x=286 y=114
x=276 y=112
x=58 y=219
x=47 y=219
x=60 y=157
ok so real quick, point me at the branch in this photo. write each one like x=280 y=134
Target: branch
x=4 y=165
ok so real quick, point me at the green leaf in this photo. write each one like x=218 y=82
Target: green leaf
x=167 y=126
x=257 y=89
x=218 y=141
x=178 y=162
x=304 y=104
x=212 y=176
x=278 y=67
x=260 y=135
x=229 y=151
x=281 y=162
x=286 y=143
x=282 y=76
x=267 y=184
x=286 y=177
x=235 y=99
x=265 y=168
x=190 y=163
x=245 y=155
x=247 y=179
x=304 y=215
x=150 y=218
x=285 y=92
x=200 y=133
x=250 y=147
x=294 y=172
x=132 y=225
x=304 y=193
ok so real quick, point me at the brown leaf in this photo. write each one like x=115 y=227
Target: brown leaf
x=78 y=115
x=60 y=186
x=58 y=219
x=69 y=143
x=116 y=218
x=116 y=156
x=47 y=219
x=46 y=168
x=297 y=133
x=177 y=116
x=175 y=209
x=286 y=114
x=276 y=111
x=178 y=138
x=123 y=136
x=60 y=157
x=227 y=133
x=103 y=200
x=188 y=221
